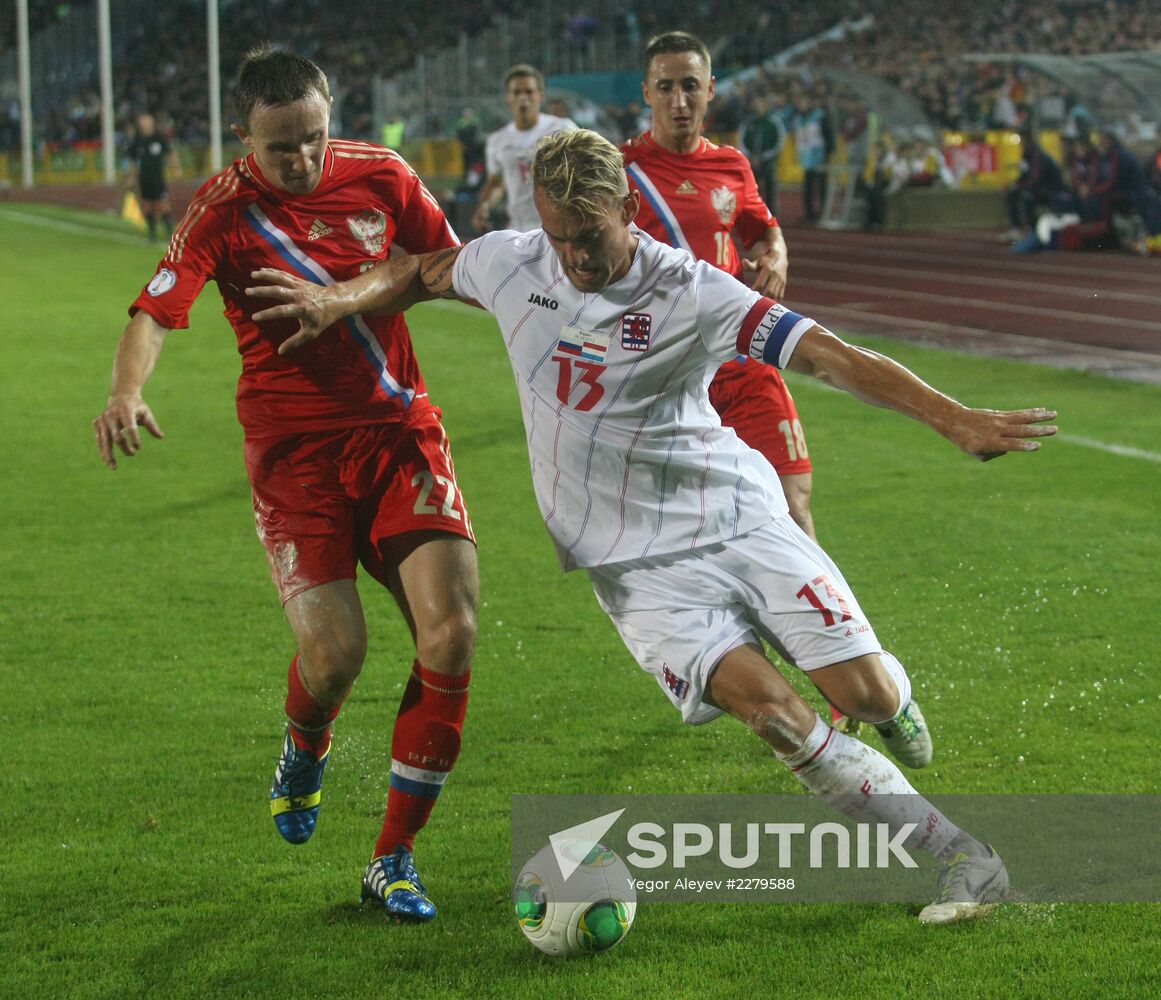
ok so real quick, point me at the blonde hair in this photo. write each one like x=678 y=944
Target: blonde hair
x=579 y=171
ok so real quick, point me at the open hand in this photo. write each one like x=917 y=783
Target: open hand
x=766 y=275
x=302 y=300
x=988 y=434
x=120 y=427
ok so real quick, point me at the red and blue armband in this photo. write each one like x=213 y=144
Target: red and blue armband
x=770 y=332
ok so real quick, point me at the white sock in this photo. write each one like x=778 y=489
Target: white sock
x=865 y=786
x=902 y=682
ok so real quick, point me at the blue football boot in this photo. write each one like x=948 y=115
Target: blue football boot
x=297 y=791
x=393 y=881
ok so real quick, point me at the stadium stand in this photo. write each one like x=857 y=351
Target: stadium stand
x=971 y=78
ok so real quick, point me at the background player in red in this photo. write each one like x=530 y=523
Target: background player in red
x=700 y=196
x=346 y=454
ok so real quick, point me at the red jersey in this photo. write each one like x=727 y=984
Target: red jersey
x=697 y=200
x=363 y=373
x=700 y=201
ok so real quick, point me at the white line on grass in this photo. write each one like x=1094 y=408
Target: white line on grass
x=1112 y=449
x=70 y=227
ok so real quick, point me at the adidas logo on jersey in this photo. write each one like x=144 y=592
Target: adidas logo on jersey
x=686 y=187
x=318 y=229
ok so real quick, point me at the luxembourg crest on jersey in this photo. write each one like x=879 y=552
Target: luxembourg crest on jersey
x=725 y=203
x=635 y=330
x=369 y=228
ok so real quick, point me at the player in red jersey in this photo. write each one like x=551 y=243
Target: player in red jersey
x=346 y=453
x=702 y=197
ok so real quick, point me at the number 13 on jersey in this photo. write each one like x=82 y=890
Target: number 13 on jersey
x=579 y=379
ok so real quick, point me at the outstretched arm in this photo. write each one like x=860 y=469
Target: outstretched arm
x=878 y=380
x=392 y=287
x=126 y=410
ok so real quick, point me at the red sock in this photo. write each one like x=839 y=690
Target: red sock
x=310 y=722
x=424 y=748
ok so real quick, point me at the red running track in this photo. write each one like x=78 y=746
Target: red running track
x=1094 y=310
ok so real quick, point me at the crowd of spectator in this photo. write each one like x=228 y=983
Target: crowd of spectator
x=914 y=45
x=160 y=62
x=1102 y=194
x=920 y=48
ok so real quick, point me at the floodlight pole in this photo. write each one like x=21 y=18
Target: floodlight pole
x=24 y=73
x=214 y=73
x=108 y=112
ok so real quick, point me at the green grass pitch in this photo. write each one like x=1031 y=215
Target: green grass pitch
x=143 y=657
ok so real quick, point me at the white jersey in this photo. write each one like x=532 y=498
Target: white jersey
x=509 y=151
x=629 y=459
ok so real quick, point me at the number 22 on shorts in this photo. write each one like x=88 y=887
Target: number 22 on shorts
x=427 y=483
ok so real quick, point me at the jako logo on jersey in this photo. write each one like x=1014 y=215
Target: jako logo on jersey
x=675 y=684
x=541 y=300
x=635 y=328
x=162 y=282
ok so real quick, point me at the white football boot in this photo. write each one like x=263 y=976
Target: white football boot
x=968 y=888
x=907 y=737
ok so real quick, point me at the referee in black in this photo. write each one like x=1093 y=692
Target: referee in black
x=150 y=155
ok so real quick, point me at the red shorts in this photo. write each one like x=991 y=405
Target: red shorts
x=324 y=502
x=751 y=398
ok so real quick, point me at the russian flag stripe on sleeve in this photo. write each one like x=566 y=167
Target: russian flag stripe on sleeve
x=770 y=332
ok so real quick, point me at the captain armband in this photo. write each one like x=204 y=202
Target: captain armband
x=770 y=332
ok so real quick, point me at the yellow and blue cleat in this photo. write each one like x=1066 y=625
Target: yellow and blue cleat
x=393 y=881
x=297 y=791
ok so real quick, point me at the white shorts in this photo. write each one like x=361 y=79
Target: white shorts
x=679 y=614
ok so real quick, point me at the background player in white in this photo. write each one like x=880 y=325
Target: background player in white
x=682 y=528
x=508 y=152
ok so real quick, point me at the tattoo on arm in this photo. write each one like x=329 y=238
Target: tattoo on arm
x=436 y=272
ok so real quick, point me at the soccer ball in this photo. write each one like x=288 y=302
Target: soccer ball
x=590 y=911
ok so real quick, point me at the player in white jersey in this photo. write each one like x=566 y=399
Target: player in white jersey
x=613 y=339
x=508 y=151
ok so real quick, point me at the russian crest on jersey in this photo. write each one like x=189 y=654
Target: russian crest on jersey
x=369 y=227
x=725 y=203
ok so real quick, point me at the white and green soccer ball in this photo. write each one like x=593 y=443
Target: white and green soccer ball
x=589 y=911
